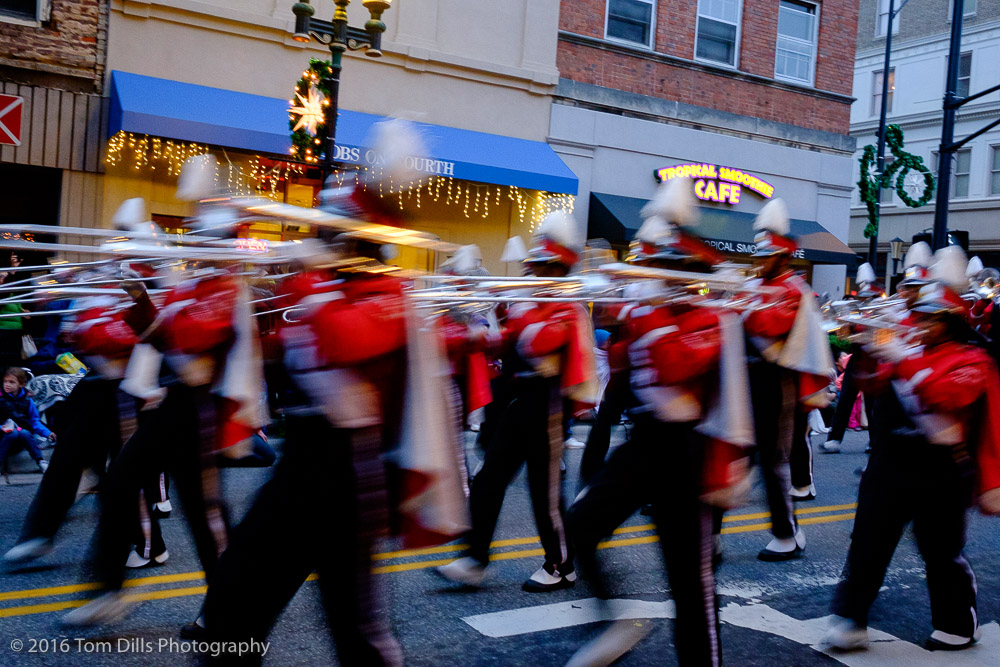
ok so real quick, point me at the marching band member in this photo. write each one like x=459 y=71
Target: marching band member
x=939 y=448
x=207 y=337
x=371 y=382
x=790 y=369
x=673 y=356
x=849 y=389
x=105 y=343
x=548 y=353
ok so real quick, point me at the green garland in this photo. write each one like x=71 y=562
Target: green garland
x=304 y=146
x=903 y=164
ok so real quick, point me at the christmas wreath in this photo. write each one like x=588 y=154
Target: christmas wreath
x=307 y=115
x=871 y=182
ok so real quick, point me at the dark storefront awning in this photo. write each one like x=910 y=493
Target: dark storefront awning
x=617 y=218
x=219 y=117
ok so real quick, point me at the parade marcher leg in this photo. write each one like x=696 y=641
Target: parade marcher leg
x=882 y=514
x=599 y=438
x=848 y=394
x=81 y=442
x=800 y=459
x=773 y=423
x=545 y=485
x=939 y=527
x=280 y=534
x=171 y=437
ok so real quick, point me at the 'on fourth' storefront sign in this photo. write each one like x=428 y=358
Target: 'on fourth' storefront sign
x=717 y=183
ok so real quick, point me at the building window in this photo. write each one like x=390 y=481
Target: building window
x=718 y=31
x=968 y=8
x=882 y=22
x=960 y=169
x=995 y=172
x=631 y=21
x=877 y=91
x=796 y=53
x=964 y=74
x=28 y=11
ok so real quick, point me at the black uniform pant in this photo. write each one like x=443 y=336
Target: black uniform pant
x=909 y=480
x=774 y=395
x=148 y=539
x=176 y=438
x=528 y=432
x=599 y=440
x=660 y=466
x=90 y=437
x=800 y=458
x=308 y=517
x=849 y=391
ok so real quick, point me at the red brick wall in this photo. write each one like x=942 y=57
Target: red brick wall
x=715 y=91
x=759 y=37
x=675 y=32
x=838 y=36
x=72 y=40
x=583 y=17
x=676 y=24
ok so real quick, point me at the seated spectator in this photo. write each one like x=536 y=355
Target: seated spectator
x=19 y=420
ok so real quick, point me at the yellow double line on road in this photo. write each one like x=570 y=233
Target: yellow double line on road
x=162 y=594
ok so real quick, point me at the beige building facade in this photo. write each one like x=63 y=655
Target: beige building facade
x=461 y=67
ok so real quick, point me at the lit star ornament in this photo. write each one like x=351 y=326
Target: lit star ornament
x=310 y=112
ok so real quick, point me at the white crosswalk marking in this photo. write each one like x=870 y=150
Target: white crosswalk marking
x=885 y=649
x=566 y=614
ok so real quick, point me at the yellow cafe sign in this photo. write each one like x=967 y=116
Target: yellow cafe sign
x=717 y=183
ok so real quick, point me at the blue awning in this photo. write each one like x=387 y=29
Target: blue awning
x=176 y=110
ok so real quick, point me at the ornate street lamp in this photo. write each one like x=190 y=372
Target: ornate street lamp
x=340 y=37
x=896 y=247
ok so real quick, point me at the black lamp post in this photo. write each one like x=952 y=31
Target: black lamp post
x=340 y=37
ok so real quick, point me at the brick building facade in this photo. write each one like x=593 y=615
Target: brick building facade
x=760 y=85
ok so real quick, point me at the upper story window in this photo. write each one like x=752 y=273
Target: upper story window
x=995 y=172
x=964 y=74
x=960 y=172
x=631 y=21
x=25 y=11
x=882 y=22
x=877 y=92
x=969 y=8
x=718 y=31
x=797 y=29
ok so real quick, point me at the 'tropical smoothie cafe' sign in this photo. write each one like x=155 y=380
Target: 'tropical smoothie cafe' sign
x=717 y=183
x=724 y=185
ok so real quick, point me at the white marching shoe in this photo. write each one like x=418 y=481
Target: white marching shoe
x=28 y=550
x=803 y=493
x=611 y=644
x=466 y=571
x=135 y=560
x=107 y=608
x=784 y=548
x=846 y=635
x=543 y=581
x=830 y=447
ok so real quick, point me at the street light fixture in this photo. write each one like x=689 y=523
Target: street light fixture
x=896 y=246
x=339 y=37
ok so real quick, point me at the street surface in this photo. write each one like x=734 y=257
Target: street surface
x=772 y=613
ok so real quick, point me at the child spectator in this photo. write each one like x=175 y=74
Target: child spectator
x=19 y=420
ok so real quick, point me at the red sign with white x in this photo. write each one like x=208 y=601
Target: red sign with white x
x=11 y=107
